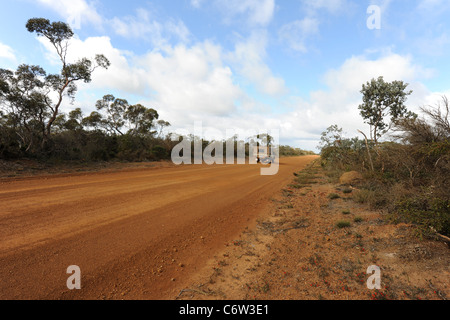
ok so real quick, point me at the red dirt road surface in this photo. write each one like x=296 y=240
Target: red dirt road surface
x=137 y=234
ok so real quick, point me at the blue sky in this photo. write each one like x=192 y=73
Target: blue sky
x=293 y=65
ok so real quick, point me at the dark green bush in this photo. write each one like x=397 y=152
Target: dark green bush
x=428 y=214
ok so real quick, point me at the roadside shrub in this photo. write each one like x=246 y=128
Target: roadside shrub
x=428 y=214
x=343 y=224
x=410 y=176
x=304 y=178
x=358 y=219
x=347 y=190
x=159 y=152
x=375 y=199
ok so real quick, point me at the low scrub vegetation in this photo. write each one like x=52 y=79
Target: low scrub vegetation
x=343 y=224
x=288 y=151
x=408 y=174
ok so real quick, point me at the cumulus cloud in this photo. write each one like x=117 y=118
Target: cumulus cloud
x=121 y=75
x=7 y=52
x=144 y=25
x=297 y=32
x=183 y=83
x=258 y=12
x=75 y=12
x=248 y=58
x=191 y=82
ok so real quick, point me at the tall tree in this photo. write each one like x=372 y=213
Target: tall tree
x=29 y=92
x=162 y=124
x=21 y=94
x=115 y=109
x=141 y=119
x=383 y=104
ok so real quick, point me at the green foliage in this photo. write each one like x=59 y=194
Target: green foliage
x=343 y=224
x=141 y=119
x=411 y=173
x=288 y=151
x=114 y=108
x=330 y=137
x=344 y=153
x=383 y=100
x=33 y=97
x=56 y=32
x=358 y=219
x=425 y=212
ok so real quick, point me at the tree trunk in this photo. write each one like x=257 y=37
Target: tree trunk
x=368 y=150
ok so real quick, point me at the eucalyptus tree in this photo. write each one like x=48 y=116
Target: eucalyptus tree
x=32 y=97
x=383 y=105
x=141 y=120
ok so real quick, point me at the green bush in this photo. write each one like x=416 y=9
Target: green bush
x=426 y=213
x=343 y=224
x=358 y=219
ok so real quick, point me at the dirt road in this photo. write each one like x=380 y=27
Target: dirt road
x=138 y=234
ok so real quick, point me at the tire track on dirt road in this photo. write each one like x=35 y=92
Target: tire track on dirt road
x=134 y=235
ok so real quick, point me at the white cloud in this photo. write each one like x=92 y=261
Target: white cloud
x=258 y=12
x=433 y=45
x=432 y=4
x=7 y=52
x=144 y=26
x=196 y=3
x=120 y=75
x=75 y=12
x=183 y=83
x=332 y=6
x=297 y=32
x=191 y=82
x=248 y=59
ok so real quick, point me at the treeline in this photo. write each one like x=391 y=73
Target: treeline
x=288 y=151
x=408 y=173
x=33 y=126
x=97 y=136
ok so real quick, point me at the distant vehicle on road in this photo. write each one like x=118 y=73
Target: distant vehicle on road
x=263 y=155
